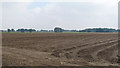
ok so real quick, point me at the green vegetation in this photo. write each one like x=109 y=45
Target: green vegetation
x=59 y=30
x=4 y=45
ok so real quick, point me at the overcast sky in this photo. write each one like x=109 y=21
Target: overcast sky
x=67 y=14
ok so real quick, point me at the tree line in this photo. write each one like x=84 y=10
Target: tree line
x=58 y=29
x=21 y=30
x=99 y=30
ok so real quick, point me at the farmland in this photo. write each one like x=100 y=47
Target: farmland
x=59 y=49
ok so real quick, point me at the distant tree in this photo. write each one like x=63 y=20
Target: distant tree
x=18 y=30
x=31 y=30
x=57 y=29
x=43 y=30
x=8 y=30
x=12 y=30
x=22 y=30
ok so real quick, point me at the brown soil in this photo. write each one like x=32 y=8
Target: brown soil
x=60 y=49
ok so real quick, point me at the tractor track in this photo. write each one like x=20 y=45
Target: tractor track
x=91 y=51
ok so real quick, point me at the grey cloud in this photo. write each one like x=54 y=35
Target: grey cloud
x=68 y=15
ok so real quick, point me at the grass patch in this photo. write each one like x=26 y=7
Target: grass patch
x=75 y=32
x=4 y=45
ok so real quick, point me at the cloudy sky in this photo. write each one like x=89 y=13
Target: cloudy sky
x=66 y=14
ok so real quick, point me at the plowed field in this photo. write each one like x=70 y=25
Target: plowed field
x=59 y=49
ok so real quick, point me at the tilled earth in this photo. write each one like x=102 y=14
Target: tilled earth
x=59 y=49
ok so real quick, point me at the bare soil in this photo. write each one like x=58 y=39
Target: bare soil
x=59 y=49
